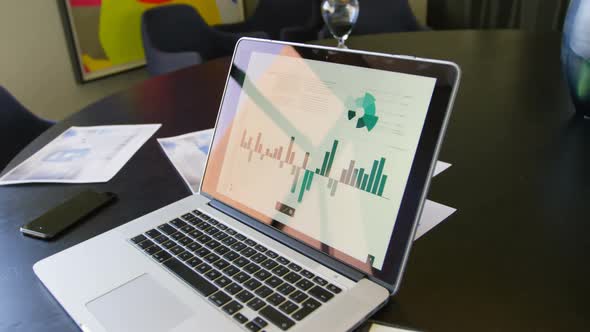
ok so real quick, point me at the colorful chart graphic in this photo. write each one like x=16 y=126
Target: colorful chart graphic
x=367 y=103
x=372 y=182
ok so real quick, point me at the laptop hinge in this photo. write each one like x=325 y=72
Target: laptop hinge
x=290 y=242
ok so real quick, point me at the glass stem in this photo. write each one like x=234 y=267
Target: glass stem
x=341 y=41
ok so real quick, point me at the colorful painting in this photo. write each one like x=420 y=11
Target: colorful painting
x=107 y=33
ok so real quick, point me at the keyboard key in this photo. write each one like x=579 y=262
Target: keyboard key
x=275 y=299
x=248 y=252
x=230 y=231
x=212 y=221
x=231 y=270
x=222 y=281
x=269 y=264
x=177 y=236
x=221 y=226
x=319 y=280
x=197 y=212
x=185 y=241
x=304 y=284
x=334 y=289
x=153 y=233
x=277 y=318
x=271 y=254
x=204 y=239
x=260 y=248
x=307 y=274
x=273 y=281
x=222 y=250
x=145 y=244
x=199 y=283
x=203 y=268
x=280 y=270
x=262 y=275
x=288 y=307
x=283 y=260
x=194 y=261
x=185 y=256
x=161 y=256
x=205 y=217
x=285 y=289
x=195 y=234
x=221 y=264
x=194 y=246
x=229 y=241
x=240 y=237
x=230 y=256
x=152 y=250
x=202 y=225
x=166 y=228
x=161 y=239
x=241 y=277
x=238 y=246
x=202 y=252
x=232 y=307
x=295 y=267
x=241 y=261
x=212 y=244
x=138 y=238
x=252 y=284
x=307 y=308
x=256 y=304
x=263 y=291
x=251 y=326
x=212 y=231
x=258 y=258
x=250 y=242
x=187 y=229
x=298 y=296
x=188 y=216
x=212 y=274
x=244 y=296
x=220 y=236
x=177 y=250
x=211 y=258
x=240 y=318
x=251 y=268
x=320 y=294
x=233 y=289
x=292 y=277
x=178 y=223
x=220 y=298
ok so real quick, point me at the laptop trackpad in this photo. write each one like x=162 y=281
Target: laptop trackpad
x=141 y=304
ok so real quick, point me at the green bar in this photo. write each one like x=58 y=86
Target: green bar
x=317 y=171
x=378 y=176
x=364 y=182
x=359 y=177
x=331 y=158
x=303 y=185
x=382 y=185
x=309 y=181
x=326 y=157
x=372 y=176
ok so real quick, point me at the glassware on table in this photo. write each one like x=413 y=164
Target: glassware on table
x=340 y=17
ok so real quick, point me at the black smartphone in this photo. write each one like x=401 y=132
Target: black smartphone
x=59 y=218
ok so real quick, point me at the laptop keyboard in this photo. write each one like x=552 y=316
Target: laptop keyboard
x=235 y=272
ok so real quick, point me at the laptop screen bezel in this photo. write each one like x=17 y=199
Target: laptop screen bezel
x=446 y=75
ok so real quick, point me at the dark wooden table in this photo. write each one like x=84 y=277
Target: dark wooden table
x=515 y=257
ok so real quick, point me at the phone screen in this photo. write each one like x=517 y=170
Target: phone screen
x=66 y=214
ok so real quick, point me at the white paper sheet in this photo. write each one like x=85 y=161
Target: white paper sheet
x=82 y=155
x=188 y=154
x=434 y=213
x=440 y=167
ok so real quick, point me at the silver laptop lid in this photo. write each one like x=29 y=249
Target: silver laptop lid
x=331 y=147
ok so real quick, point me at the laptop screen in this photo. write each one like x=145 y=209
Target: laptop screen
x=320 y=150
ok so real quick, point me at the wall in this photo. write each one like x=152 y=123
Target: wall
x=35 y=63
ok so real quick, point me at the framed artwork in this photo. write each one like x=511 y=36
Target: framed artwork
x=106 y=34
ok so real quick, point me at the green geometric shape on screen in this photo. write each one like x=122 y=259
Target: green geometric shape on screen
x=369 y=119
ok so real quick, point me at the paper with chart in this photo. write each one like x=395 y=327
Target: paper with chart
x=188 y=154
x=82 y=155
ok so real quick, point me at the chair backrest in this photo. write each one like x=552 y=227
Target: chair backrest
x=18 y=127
x=271 y=16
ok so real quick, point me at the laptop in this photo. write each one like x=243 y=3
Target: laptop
x=314 y=183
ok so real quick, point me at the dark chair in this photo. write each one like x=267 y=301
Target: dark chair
x=381 y=16
x=18 y=127
x=290 y=20
x=176 y=36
